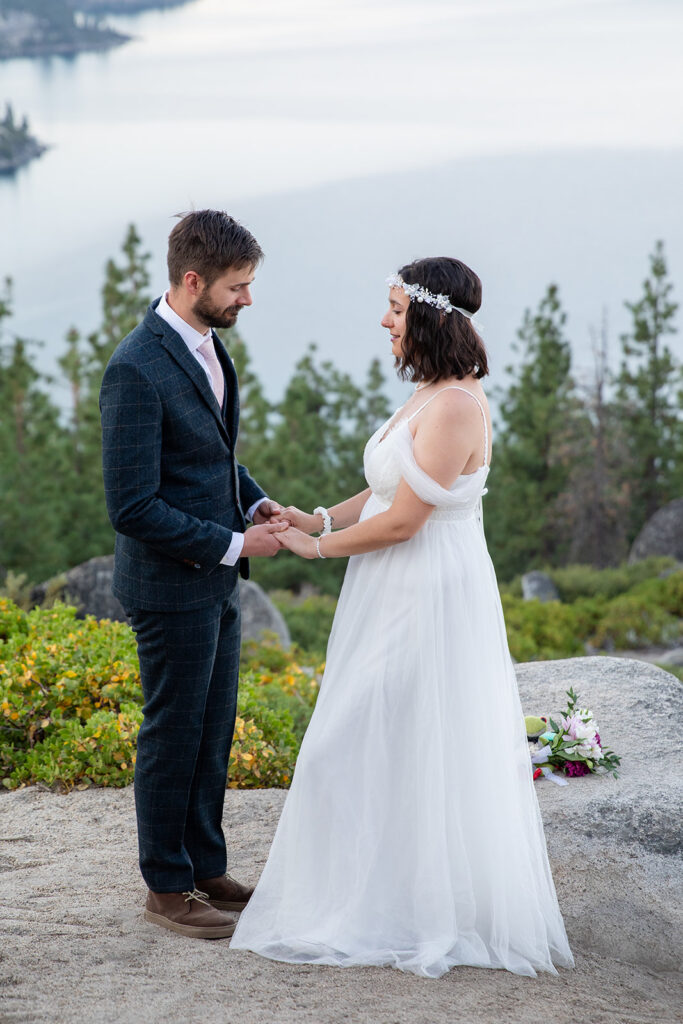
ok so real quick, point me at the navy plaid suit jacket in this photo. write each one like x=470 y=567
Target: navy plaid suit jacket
x=174 y=489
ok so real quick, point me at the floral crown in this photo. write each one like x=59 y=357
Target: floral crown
x=416 y=293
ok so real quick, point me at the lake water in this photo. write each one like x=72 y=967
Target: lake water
x=538 y=141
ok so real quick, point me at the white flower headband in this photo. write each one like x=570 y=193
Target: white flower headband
x=417 y=293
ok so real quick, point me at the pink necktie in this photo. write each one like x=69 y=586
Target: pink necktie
x=208 y=351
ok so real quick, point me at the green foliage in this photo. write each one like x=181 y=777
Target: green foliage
x=634 y=620
x=52 y=509
x=71 y=704
x=572 y=478
x=309 y=619
x=531 y=466
x=69 y=699
x=307 y=450
x=85 y=529
x=34 y=468
x=613 y=609
x=593 y=507
x=650 y=398
x=576 y=581
x=540 y=631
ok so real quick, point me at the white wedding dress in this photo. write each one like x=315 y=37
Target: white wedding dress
x=411 y=835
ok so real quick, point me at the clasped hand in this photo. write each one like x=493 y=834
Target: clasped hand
x=286 y=528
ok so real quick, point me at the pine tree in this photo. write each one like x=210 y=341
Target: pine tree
x=125 y=297
x=312 y=454
x=255 y=409
x=34 y=468
x=532 y=461
x=649 y=398
x=594 y=505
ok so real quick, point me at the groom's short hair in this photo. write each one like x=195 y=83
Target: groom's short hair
x=210 y=242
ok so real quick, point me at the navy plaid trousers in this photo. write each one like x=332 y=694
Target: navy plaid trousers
x=189 y=668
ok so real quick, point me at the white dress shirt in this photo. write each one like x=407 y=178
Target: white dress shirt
x=193 y=339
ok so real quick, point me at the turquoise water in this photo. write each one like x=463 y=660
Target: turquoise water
x=537 y=141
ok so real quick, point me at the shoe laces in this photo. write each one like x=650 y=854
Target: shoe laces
x=198 y=895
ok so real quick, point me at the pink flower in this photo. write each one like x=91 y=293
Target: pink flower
x=576 y=768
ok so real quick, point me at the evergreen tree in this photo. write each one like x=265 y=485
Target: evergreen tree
x=532 y=462
x=255 y=409
x=649 y=399
x=594 y=506
x=125 y=297
x=312 y=454
x=34 y=468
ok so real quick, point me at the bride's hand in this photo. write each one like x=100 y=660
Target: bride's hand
x=298 y=542
x=302 y=520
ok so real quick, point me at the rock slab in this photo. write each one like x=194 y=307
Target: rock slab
x=75 y=948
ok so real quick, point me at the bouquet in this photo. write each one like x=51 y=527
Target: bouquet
x=573 y=745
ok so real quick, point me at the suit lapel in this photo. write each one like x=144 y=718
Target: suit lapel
x=232 y=401
x=179 y=351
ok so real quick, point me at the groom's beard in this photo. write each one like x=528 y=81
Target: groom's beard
x=211 y=315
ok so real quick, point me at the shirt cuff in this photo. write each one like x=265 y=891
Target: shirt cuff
x=233 y=553
x=250 y=513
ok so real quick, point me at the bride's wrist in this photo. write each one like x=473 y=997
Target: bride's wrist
x=325 y=519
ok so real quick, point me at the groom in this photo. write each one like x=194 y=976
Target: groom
x=179 y=502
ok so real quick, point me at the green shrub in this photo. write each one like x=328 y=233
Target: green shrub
x=309 y=620
x=577 y=581
x=71 y=704
x=541 y=631
x=648 y=612
x=69 y=699
x=635 y=620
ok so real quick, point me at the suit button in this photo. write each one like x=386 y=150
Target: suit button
x=197 y=565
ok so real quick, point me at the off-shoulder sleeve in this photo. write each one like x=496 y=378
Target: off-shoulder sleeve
x=424 y=486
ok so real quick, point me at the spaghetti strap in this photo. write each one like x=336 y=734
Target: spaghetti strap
x=454 y=387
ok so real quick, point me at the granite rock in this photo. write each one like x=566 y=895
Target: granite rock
x=259 y=614
x=88 y=587
x=616 y=844
x=661 y=535
x=538 y=586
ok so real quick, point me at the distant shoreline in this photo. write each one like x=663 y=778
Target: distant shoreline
x=104 y=40
x=124 y=6
x=24 y=152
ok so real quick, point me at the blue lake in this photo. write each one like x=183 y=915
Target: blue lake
x=537 y=141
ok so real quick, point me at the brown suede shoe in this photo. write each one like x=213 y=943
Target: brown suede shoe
x=190 y=914
x=225 y=893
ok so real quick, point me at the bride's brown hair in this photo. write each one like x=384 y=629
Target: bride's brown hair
x=438 y=345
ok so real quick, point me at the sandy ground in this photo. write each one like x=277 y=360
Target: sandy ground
x=75 y=948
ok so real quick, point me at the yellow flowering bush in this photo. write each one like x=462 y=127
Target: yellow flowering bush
x=71 y=704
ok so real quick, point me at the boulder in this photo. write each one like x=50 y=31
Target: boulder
x=88 y=587
x=259 y=614
x=615 y=844
x=538 y=586
x=661 y=535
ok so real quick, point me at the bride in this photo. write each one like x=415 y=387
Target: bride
x=411 y=835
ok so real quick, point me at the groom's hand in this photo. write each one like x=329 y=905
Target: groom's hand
x=262 y=540
x=268 y=512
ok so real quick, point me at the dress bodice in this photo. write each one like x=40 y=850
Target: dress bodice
x=388 y=457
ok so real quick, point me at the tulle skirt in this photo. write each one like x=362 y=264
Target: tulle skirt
x=411 y=835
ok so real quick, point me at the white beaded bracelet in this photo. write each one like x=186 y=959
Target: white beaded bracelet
x=327 y=519
x=317 y=545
